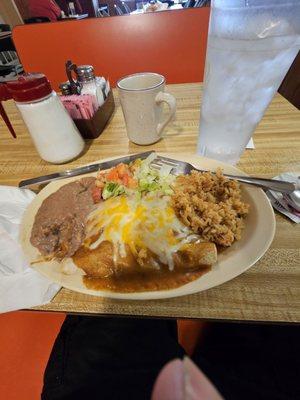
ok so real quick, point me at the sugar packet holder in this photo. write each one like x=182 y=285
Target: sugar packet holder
x=93 y=127
x=90 y=120
x=83 y=106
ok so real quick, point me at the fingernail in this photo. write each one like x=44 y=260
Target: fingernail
x=196 y=384
x=190 y=383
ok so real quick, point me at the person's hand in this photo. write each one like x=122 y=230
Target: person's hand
x=183 y=380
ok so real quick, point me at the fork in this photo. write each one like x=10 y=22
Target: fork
x=181 y=167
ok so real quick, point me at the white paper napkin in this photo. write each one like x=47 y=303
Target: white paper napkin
x=278 y=200
x=20 y=285
x=250 y=144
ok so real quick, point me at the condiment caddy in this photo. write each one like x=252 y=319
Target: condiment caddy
x=58 y=124
x=93 y=127
x=86 y=85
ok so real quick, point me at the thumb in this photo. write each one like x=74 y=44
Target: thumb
x=183 y=380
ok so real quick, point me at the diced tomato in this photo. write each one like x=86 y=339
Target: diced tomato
x=125 y=180
x=113 y=176
x=119 y=174
x=96 y=194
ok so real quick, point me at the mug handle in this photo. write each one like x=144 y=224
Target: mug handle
x=171 y=101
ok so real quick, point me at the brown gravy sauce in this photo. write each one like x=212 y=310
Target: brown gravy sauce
x=144 y=282
x=137 y=280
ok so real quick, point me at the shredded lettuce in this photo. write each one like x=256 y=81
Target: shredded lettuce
x=112 y=189
x=151 y=180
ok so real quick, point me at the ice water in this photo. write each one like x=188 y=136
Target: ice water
x=241 y=78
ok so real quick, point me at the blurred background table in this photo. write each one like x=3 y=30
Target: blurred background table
x=4 y=35
x=269 y=291
x=74 y=17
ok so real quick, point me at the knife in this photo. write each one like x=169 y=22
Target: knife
x=82 y=170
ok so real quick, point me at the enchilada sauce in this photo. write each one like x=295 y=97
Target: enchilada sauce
x=136 y=279
x=144 y=282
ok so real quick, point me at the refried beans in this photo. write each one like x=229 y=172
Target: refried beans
x=59 y=225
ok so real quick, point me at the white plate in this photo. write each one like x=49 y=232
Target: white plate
x=256 y=239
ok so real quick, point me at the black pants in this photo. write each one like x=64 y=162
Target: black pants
x=252 y=361
x=109 y=358
x=98 y=358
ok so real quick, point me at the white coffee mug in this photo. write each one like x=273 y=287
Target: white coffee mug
x=141 y=97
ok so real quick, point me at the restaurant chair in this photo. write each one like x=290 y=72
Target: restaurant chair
x=7 y=56
x=126 y=7
x=45 y=43
x=201 y=3
x=170 y=2
x=5 y=70
x=140 y=4
x=101 y=13
x=10 y=65
x=6 y=44
x=26 y=342
x=118 y=10
x=198 y=3
x=5 y=28
x=8 y=72
x=36 y=20
x=103 y=10
x=189 y=3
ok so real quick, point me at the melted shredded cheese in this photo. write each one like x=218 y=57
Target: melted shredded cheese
x=146 y=223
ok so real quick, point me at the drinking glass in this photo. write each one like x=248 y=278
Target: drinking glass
x=251 y=45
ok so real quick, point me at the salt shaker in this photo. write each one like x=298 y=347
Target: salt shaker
x=89 y=85
x=54 y=134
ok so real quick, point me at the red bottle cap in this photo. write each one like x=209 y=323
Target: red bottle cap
x=29 y=87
